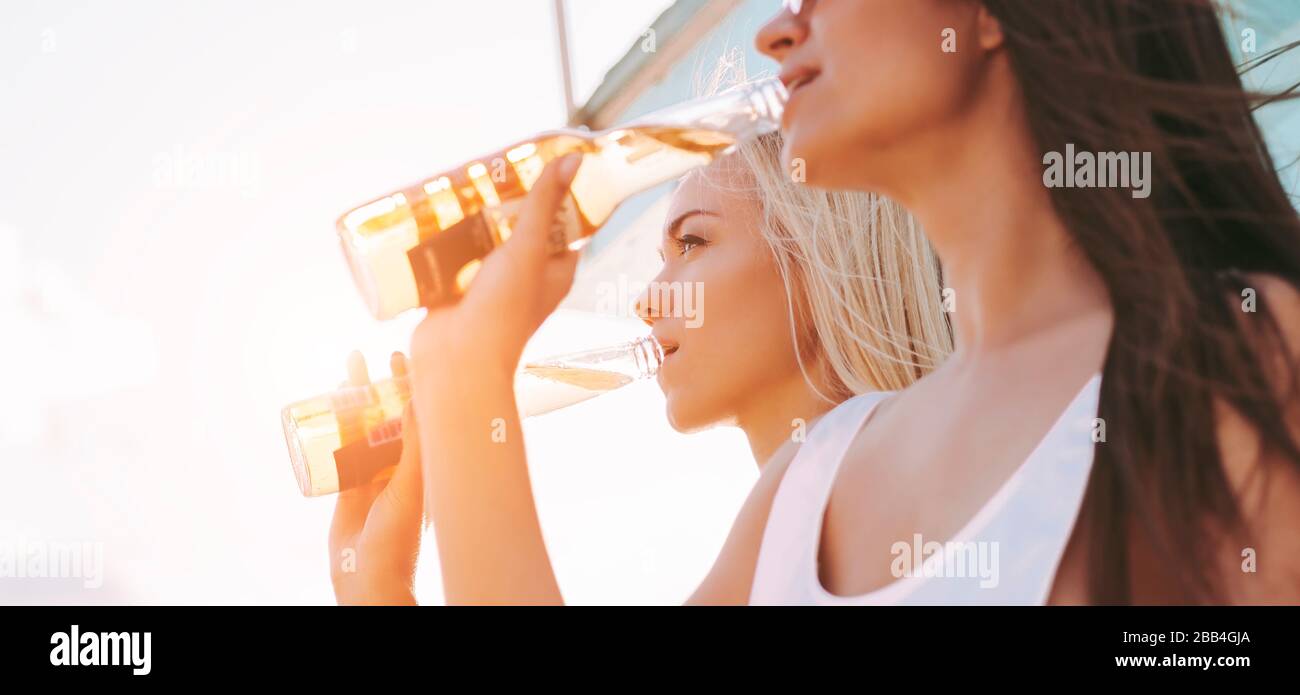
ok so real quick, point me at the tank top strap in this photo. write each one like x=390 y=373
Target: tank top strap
x=835 y=434
x=804 y=487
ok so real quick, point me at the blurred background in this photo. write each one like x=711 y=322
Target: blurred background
x=170 y=174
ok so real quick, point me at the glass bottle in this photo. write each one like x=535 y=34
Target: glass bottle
x=422 y=245
x=353 y=436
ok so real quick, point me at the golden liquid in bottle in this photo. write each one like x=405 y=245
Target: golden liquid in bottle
x=318 y=427
x=377 y=237
x=543 y=388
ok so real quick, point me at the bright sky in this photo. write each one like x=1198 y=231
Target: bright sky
x=169 y=278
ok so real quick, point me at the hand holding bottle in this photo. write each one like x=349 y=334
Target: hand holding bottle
x=374 y=538
x=519 y=285
x=463 y=361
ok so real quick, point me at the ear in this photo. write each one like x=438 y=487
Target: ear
x=988 y=29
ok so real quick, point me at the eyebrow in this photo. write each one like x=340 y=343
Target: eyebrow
x=678 y=221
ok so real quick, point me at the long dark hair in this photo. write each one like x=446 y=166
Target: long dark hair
x=1157 y=76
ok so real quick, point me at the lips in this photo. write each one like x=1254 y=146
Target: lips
x=795 y=78
x=669 y=347
x=801 y=82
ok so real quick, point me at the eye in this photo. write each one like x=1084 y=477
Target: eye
x=686 y=242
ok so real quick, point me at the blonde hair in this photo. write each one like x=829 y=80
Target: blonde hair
x=862 y=282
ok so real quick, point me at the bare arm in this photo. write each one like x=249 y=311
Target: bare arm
x=489 y=539
x=732 y=575
x=479 y=495
x=1261 y=564
x=463 y=359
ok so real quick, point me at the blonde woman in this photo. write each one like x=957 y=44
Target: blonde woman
x=813 y=297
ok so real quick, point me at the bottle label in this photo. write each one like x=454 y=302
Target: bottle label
x=359 y=463
x=387 y=431
x=436 y=261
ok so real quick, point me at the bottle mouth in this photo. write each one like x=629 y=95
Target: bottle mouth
x=649 y=355
x=768 y=98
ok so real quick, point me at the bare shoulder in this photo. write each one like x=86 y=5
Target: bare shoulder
x=732 y=575
x=1264 y=565
x=1281 y=299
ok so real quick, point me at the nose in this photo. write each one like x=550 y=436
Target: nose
x=653 y=302
x=780 y=35
x=642 y=308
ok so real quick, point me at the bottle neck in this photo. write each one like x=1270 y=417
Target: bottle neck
x=744 y=112
x=648 y=355
x=767 y=100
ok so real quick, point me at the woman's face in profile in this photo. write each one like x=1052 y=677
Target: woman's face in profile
x=871 y=84
x=719 y=304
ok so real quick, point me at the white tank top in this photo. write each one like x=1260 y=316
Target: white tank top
x=1007 y=553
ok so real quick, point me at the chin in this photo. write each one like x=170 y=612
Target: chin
x=810 y=150
x=687 y=419
x=792 y=149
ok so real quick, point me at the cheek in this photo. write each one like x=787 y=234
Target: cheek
x=880 y=86
x=746 y=326
x=771 y=339
x=742 y=342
